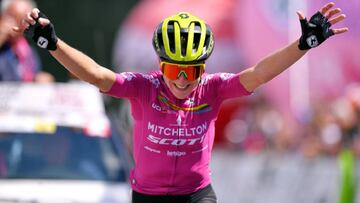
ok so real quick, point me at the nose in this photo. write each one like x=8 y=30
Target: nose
x=182 y=78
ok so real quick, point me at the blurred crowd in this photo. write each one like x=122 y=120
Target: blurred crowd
x=328 y=127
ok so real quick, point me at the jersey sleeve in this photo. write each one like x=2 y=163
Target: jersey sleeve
x=227 y=85
x=128 y=85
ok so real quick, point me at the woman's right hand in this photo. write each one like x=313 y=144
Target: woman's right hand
x=38 y=27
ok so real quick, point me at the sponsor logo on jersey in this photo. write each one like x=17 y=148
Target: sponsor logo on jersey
x=178 y=131
x=175 y=153
x=175 y=142
x=177 y=136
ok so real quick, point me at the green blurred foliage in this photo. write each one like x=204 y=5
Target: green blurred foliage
x=348 y=176
x=88 y=25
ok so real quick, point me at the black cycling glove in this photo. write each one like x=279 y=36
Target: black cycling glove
x=314 y=32
x=44 y=36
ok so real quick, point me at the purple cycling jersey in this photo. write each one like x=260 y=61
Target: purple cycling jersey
x=173 y=137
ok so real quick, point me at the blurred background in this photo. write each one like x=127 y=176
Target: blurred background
x=296 y=139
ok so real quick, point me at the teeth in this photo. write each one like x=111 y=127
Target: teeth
x=181 y=87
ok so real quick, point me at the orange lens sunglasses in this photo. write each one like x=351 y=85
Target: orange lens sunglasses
x=174 y=71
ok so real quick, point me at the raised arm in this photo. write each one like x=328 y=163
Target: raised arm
x=314 y=32
x=83 y=66
x=39 y=28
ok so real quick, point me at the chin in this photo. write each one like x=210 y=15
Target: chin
x=181 y=96
x=181 y=93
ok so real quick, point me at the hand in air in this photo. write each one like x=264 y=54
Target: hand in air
x=38 y=27
x=319 y=27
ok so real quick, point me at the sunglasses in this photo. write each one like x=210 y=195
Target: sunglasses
x=189 y=71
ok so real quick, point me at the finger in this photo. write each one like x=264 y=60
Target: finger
x=29 y=19
x=35 y=13
x=300 y=15
x=340 y=30
x=337 y=19
x=43 y=21
x=326 y=8
x=332 y=13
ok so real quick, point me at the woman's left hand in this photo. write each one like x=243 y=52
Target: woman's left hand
x=318 y=28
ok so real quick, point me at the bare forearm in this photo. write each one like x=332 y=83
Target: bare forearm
x=76 y=62
x=271 y=66
x=83 y=67
x=279 y=61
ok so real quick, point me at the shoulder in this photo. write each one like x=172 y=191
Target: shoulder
x=153 y=78
x=217 y=78
x=134 y=84
x=148 y=78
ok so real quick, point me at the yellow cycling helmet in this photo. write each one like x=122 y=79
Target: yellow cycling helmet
x=184 y=39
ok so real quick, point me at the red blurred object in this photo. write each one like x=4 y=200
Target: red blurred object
x=228 y=111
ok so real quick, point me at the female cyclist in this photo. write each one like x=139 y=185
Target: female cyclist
x=174 y=108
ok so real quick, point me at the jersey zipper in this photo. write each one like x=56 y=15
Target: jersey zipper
x=178 y=121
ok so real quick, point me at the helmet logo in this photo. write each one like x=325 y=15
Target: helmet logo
x=184 y=15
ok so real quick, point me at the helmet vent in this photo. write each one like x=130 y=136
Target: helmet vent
x=207 y=41
x=208 y=38
x=183 y=38
x=160 y=41
x=197 y=36
x=184 y=41
x=171 y=36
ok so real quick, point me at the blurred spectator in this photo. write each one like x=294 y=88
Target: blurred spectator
x=18 y=61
